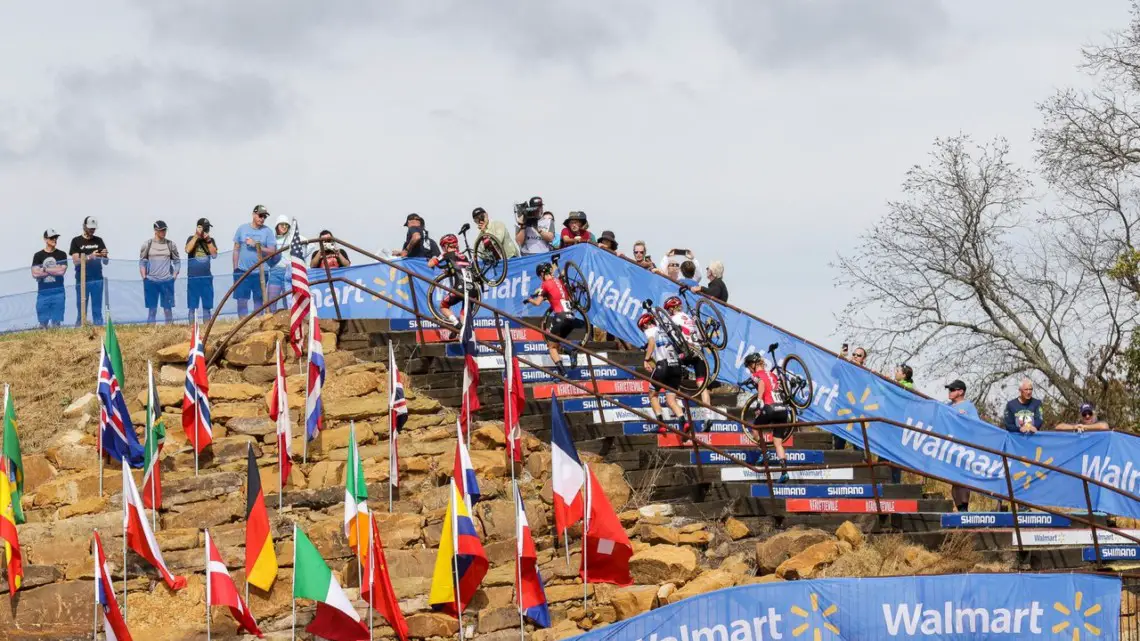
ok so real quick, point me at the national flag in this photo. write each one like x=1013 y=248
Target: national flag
x=11 y=455
x=111 y=341
x=529 y=589
x=220 y=590
x=260 y=558
x=566 y=471
x=13 y=558
x=155 y=437
x=196 y=420
x=378 y=590
x=314 y=406
x=300 y=280
x=114 y=627
x=356 y=502
x=336 y=619
x=514 y=400
x=397 y=416
x=139 y=536
x=279 y=411
x=605 y=546
x=470 y=401
x=460 y=561
x=464 y=472
x=117 y=432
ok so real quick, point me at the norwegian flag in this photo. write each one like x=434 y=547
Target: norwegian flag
x=196 y=396
x=397 y=416
x=117 y=432
x=301 y=297
x=470 y=367
x=514 y=399
x=114 y=627
x=314 y=406
x=220 y=590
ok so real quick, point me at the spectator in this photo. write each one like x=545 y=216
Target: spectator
x=672 y=271
x=252 y=242
x=89 y=272
x=904 y=375
x=859 y=357
x=159 y=264
x=328 y=254
x=688 y=274
x=716 y=287
x=678 y=256
x=1023 y=414
x=535 y=231
x=956 y=392
x=418 y=243
x=279 y=264
x=575 y=229
x=495 y=229
x=201 y=250
x=641 y=256
x=608 y=242
x=1088 y=421
x=49 y=265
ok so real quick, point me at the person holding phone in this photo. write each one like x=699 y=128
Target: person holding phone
x=89 y=254
x=201 y=250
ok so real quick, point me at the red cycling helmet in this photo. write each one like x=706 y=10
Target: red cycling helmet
x=449 y=240
x=672 y=302
x=646 y=319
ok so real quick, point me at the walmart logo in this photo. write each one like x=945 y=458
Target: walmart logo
x=394 y=286
x=1075 y=620
x=1029 y=475
x=815 y=622
x=861 y=406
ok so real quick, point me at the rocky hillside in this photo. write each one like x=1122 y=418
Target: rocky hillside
x=674 y=557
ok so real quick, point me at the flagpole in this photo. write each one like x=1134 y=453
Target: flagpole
x=518 y=556
x=197 y=422
x=354 y=470
x=154 y=462
x=455 y=556
x=585 y=531
x=371 y=580
x=95 y=559
x=207 y=551
x=392 y=463
x=126 y=511
x=293 y=596
x=98 y=424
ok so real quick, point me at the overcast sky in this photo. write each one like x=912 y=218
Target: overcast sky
x=765 y=134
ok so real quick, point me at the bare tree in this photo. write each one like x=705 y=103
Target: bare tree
x=955 y=277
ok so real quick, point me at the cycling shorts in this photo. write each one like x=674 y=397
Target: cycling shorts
x=700 y=367
x=667 y=375
x=774 y=414
x=450 y=299
x=562 y=324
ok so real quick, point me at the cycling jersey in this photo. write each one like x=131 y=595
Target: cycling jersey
x=688 y=327
x=458 y=267
x=663 y=350
x=555 y=293
x=772 y=394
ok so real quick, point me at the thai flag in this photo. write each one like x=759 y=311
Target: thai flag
x=464 y=472
x=470 y=367
x=530 y=590
x=113 y=625
x=117 y=432
x=314 y=406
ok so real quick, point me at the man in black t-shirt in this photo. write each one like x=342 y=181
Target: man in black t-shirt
x=48 y=268
x=418 y=243
x=89 y=250
x=200 y=250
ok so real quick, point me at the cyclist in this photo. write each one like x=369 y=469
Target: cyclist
x=562 y=320
x=692 y=352
x=771 y=409
x=456 y=264
x=661 y=359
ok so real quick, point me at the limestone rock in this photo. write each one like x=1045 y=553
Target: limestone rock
x=168 y=396
x=735 y=529
x=488 y=437
x=259 y=374
x=432 y=624
x=89 y=505
x=634 y=600
x=356 y=408
x=773 y=551
x=176 y=353
x=172 y=374
x=81 y=406
x=851 y=533
x=398 y=530
x=38 y=470
x=495 y=619
x=326 y=474
x=259 y=426
x=612 y=479
x=808 y=563
x=354 y=384
x=223 y=412
x=706 y=582
x=59 y=609
x=663 y=564
x=224 y=392
x=656 y=510
x=561 y=630
x=655 y=534
x=259 y=348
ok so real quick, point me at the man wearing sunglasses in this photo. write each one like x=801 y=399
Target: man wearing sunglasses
x=641 y=256
x=1088 y=421
x=252 y=242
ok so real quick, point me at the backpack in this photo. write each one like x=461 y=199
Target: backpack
x=169 y=246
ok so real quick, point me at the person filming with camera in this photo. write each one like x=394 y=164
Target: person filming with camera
x=535 y=232
x=201 y=249
x=328 y=254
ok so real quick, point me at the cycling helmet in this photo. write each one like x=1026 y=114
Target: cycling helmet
x=543 y=269
x=449 y=240
x=753 y=359
x=672 y=302
x=646 y=319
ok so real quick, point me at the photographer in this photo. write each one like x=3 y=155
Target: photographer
x=201 y=250
x=328 y=254
x=496 y=230
x=535 y=232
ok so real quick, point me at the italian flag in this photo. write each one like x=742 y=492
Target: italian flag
x=336 y=619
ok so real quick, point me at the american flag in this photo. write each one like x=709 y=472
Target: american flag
x=117 y=432
x=397 y=416
x=301 y=297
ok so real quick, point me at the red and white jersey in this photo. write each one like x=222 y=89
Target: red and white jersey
x=555 y=293
x=663 y=351
x=688 y=327
x=772 y=393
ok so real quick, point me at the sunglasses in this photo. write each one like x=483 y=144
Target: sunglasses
x=638 y=253
x=1086 y=414
x=858 y=355
x=263 y=216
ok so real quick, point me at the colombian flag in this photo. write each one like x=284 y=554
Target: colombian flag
x=461 y=560
x=260 y=559
x=10 y=545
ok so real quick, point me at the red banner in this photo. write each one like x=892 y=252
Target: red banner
x=719 y=439
x=482 y=334
x=563 y=390
x=859 y=506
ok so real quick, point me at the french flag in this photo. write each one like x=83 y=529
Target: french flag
x=514 y=398
x=530 y=590
x=566 y=469
x=314 y=406
x=464 y=472
x=117 y=432
x=114 y=627
x=470 y=367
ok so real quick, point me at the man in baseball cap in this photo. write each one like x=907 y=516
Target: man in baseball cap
x=159 y=264
x=48 y=268
x=956 y=391
x=1088 y=421
x=495 y=229
x=89 y=254
x=201 y=250
x=418 y=243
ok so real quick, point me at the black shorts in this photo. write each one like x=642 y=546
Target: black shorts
x=562 y=324
x=700 y=367
x=450 y=299
x=774 y=414
x=666 y=375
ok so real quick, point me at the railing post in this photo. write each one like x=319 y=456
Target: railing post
x=416 y=311
x=83 y=289
x=870 y=466
x=1013 y=507
x=332 y=289
x=1092 y=520
x=594 y=382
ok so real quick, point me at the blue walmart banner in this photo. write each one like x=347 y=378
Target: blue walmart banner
x=950 y=607
x=842 y=390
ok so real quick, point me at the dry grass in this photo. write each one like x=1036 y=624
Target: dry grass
x=893 y=555
x=639 y=497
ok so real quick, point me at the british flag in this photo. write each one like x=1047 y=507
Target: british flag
x=196 y=396
x=117 y=432
x=300 y=280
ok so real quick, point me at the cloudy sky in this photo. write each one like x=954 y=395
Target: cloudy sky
x=765 y=134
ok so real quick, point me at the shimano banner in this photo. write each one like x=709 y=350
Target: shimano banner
x=842 y=390
x=950 y=607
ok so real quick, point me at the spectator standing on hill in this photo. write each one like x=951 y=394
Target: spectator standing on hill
x=1023 y=414
x=904 y=375
x=328 y=254
x=89 y=253
x=1088 y=421
x=575 y=229
x=49 y=265
x=495 y=229
x=159 y=264
x=535 y=231
x=716 y=287
x=608 y=241
x=418 y=243
x=279 y=265
x=252 y=242
x=641 y=256
x=956 y=393
x=688 y=274
x=201 y=250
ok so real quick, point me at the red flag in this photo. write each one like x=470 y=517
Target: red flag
x=279 y=412
x=605 y=547
x=470 y=403
x=514 y=400
x=222 y=591
x=114 y=627
x=139 y=537
x=378 y=591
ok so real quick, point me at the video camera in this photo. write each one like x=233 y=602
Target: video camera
x=527 y=213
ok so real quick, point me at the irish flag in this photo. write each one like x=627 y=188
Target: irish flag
x=336 y=619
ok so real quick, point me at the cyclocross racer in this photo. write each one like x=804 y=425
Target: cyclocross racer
x=771 y=409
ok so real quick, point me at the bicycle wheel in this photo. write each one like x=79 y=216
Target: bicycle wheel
x=689 y=384
x=490 y=260
x=712 y=357
x=582 y=331
x=435 y=295
x=710 y=323
x=797 y=378
x=576 y=286
x=747 y=413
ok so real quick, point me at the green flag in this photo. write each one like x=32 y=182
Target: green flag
x=356 y=521
x=155 y=437
x=312 y=579
x=15 y=463
x=111 y=344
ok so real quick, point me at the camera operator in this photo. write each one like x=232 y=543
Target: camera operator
x=496 y=230
x=201 y=248
x=535 y=232
x=328 y=254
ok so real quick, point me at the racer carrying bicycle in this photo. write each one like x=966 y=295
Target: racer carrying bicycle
x=661 y=359
x=462 y=278
x=771 y=409
x=692 y=354
x=562 y=320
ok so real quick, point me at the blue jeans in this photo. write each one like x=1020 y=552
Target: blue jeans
x=95 y=296
x=49 y=306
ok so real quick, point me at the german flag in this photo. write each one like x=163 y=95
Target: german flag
x=260 y=559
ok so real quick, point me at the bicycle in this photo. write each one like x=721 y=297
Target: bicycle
x=796 y=390
x=710 y=322
x=685 y=350
x=578 y=293
x=489 y=269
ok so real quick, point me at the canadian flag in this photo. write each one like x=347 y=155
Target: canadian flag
x=220 y=590
x=139 y=536
x=605 y=547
